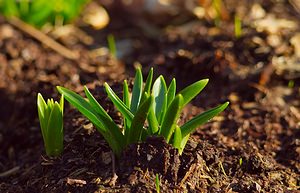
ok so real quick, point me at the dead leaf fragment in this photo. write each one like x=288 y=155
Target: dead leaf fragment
x=295 y=41
x=96 y=16
x=273 y=25
x=76 y=182
x=257 y=12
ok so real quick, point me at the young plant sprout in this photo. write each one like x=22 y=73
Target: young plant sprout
x=40 y=12
x=157 y=183
x=157 y=104
x=51 y=122
x=237 y=26
x=112 y=45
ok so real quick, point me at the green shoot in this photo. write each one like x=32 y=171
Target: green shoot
x=241 y=161
x=237 y=26
x=157 y=183
x=40 y=12
x=158 y=104
x=291 y=84
x=217 y=5
x=112 y=45
x=51 y=122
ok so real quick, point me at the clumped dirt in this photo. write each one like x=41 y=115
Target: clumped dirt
x=254 y=146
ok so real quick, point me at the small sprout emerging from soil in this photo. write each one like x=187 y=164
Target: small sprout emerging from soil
x=51 y=122
x=291 y=84
x=157 y=183
x=237 y=26
x=157 y=104
x=241 y=161
x=112 y=45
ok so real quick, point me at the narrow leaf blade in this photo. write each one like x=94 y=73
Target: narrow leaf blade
x=193 y=90
x=126 y=94
x=118 y=103
x=152 y=121
x=148 y=84
x=105 y=118
x=184 y=140
x=54 y=134
x=61 y=103
x=82 y=105
x=171 y=117
x=138 y=121
x=159 y=91
x=126 y=101
x=192 y=124
x=42 y=106
x=177 y=137
x=137 y=90
x=94 y=103
x=171 y=92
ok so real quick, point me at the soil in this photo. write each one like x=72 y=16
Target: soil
x=253 y=146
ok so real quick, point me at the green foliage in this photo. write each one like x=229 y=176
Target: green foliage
x=51 y=122
x=40 y=12
x=217 y=5
x=112 y=45
x=237 y=26
x=157 y=183
x=158 y=105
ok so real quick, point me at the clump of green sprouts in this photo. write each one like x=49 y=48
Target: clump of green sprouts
x=51 y=122
x=150 y=110
x=40 y=12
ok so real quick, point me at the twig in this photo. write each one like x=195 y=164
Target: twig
x=9 y=172
x=43 y=38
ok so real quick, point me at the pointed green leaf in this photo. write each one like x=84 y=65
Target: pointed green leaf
x=148 y=84
x=61 y=104
x=42 y=106
x=193 y=90
x=104 y=117
x=112 y=45
x=171 y=92
x=113 y=136
x=184 y=140
x=149 y=81
x=54 y=136
x=138 y=121
x=126 y=94
x=159 y=91
x=195 y=122
x=136 y=91
x=95 y=105
x=82 y=105
x=171 y=117
x=177 y=137
x=157 y=183
x=152 y=121
x=118 y=103
x=127 y=103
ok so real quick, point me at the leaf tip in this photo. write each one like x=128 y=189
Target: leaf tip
x=59 y=88
x=226 y=104
x=39 y=96
x=205 y=80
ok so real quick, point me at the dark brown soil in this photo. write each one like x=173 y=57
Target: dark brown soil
x=254 y=146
